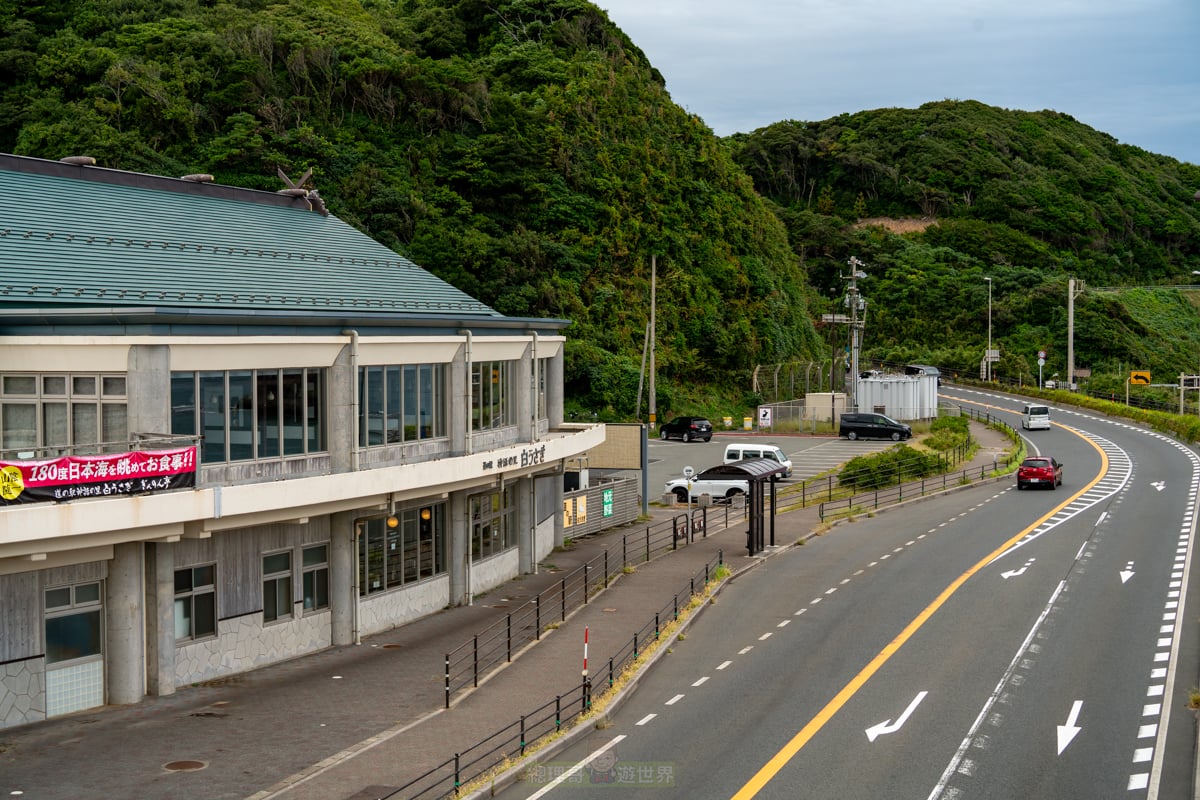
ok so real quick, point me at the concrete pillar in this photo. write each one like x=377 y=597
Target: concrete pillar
x=554 y=390
x=458 y=541
x=459 y=384
x=525 y=395
x=342 y=572
x=342 y=424
x=147 y=388
x=526 y=535
x=160 y=617
x=124 y=651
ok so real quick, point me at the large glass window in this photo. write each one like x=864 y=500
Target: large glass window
x=491 y=396
x=493 y=523
x=401 y=403
x=73 y=622
x=195 y=603
x=277 y=586
x=251 y=414
x=50 y=415
x=402 y=549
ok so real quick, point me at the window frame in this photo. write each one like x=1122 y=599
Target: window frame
x=492 y=399
x=91 y=607
x=401 y=403
x=493 y=523
x=316 y=574
x=281 y=583
x=189 y=595
x=94 y=409
x=291 y=402
x=405 y=555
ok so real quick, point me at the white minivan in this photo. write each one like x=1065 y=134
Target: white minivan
x=738 y=452
x=1034 y=418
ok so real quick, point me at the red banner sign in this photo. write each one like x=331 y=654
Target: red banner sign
x=74 y=477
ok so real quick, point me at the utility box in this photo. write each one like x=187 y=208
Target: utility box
x=824 y=406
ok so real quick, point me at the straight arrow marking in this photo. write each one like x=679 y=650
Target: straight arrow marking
x=875 y=731
x=1127 y=573
x=1067 y=732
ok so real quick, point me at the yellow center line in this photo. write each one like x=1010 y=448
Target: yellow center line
x=789 y=750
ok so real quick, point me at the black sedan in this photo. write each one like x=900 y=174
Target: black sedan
x=687 y=429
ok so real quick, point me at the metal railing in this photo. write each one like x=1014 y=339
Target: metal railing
x=472 y=661
x=872 y=500
x=518 y=737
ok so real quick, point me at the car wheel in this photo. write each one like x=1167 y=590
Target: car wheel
x=895 y=436
x=852 y=436
x=664 y=435
x=1020 y=486
x=687 y=437
x=734 y=492
x=681 y=494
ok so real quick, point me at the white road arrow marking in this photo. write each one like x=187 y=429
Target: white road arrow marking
x=875 y=731
x=1067 y=732
x=1127 y=573
x=1021 y=571
x=1160 y=485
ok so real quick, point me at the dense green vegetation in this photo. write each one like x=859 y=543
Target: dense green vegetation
x=1030 y=200
x=526 y=151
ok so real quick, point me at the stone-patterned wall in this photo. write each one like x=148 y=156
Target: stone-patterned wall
x=244 y=643
x=382 y=612
x=22 y=692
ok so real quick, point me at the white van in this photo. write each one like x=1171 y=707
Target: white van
x=1034 y=418
x=738 y=452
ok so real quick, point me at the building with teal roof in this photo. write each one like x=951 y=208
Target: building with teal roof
x=235 y=430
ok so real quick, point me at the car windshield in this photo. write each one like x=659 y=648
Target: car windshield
x=1035 y=462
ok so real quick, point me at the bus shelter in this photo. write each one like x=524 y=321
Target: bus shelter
x=760 y=474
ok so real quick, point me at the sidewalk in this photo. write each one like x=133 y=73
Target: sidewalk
x=355 y=722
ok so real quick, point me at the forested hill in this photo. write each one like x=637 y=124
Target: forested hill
x=527 y=152
x=1029 y=199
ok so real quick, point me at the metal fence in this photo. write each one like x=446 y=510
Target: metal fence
x=515 y=739
x=472 y=661
x=906 y=490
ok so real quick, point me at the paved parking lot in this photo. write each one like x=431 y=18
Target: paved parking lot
x=810 y=455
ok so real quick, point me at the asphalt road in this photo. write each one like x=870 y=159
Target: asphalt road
x=993 y=643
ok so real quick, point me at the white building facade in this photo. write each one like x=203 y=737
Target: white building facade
x=343 y=442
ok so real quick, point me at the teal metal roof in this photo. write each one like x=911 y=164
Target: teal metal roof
x=81 y=236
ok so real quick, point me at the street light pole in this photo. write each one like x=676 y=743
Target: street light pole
x=987 y=357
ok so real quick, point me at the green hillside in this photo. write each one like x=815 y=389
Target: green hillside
x=1030 y=200
x=524 y=151
x=528 y=153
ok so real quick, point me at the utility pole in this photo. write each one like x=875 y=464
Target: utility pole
x=987 y=357
x=653 y=401
x=1071 y=295
x=856 y=303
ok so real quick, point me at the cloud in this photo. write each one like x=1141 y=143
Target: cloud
x=1127 y=69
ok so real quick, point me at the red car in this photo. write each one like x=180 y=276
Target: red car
x=1039 y=471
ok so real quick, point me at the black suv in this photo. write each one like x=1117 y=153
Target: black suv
x=687 y=428
x=876 y=426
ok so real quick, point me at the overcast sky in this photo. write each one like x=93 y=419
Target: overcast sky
x=1129 y=68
